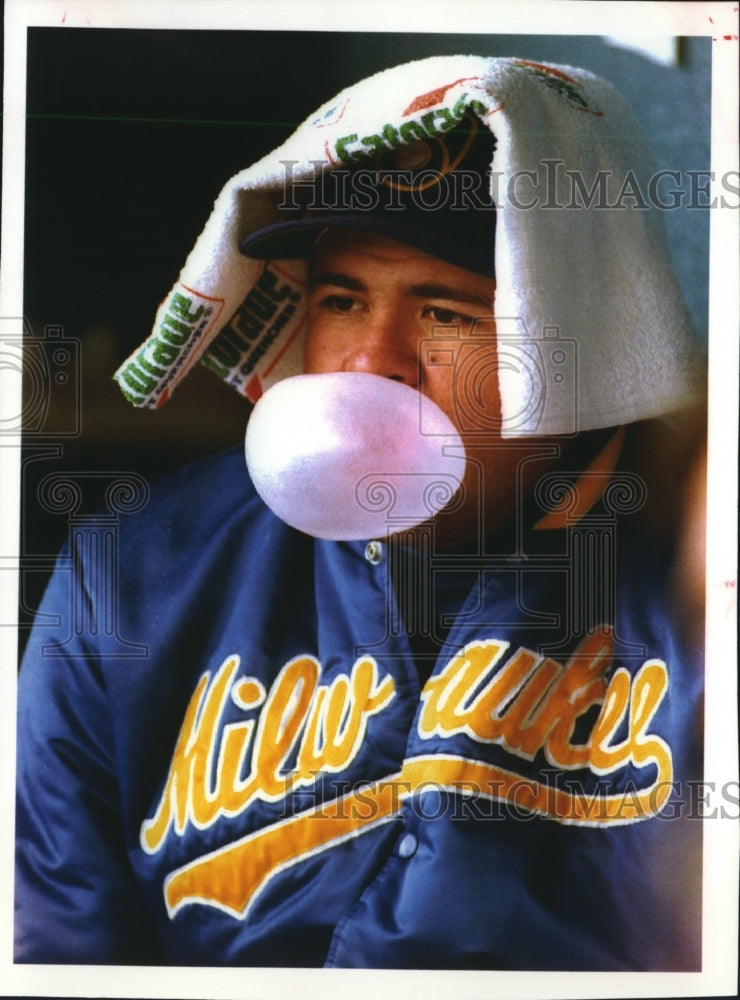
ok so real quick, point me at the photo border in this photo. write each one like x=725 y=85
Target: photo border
x=717 y=20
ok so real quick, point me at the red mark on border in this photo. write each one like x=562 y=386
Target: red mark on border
x=495 y=111
x=329 y=157
x=432 y=97
x=549 y=70
x=253 y=389
x=201 y=295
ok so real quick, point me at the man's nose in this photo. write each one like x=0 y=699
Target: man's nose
x=385 y=349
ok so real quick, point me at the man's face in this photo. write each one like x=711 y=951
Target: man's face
x=373 y=306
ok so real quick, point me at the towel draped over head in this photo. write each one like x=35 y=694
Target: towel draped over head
x=592 y=330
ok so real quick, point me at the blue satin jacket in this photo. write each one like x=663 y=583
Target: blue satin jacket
x=228 y=755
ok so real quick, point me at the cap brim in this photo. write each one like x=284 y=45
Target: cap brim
x=296 y=238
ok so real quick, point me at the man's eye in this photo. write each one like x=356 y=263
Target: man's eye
x=339 y=303
x=447 y=317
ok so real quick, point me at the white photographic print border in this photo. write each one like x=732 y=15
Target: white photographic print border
x=659 y=25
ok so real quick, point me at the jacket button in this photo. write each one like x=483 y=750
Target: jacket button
x=374 y=552
x=407 y=846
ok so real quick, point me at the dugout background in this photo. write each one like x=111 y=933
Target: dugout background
x=130 y=136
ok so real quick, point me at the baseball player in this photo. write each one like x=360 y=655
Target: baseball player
x=440 y=717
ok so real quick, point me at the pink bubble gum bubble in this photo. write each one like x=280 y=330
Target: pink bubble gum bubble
x=347 y=455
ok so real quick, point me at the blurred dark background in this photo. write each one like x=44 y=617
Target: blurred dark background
x=130 y=136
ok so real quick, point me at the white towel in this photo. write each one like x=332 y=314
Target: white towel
x=592 y=327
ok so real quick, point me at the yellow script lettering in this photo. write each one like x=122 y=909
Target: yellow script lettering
x=325 y=723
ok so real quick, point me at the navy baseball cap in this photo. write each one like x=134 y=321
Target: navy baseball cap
x=432 y=194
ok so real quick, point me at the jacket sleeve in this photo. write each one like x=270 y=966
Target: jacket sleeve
x=75 y=896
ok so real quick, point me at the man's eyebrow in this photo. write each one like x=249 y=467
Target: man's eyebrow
x=423 y=290
x=435 y=290
x=338 y=278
